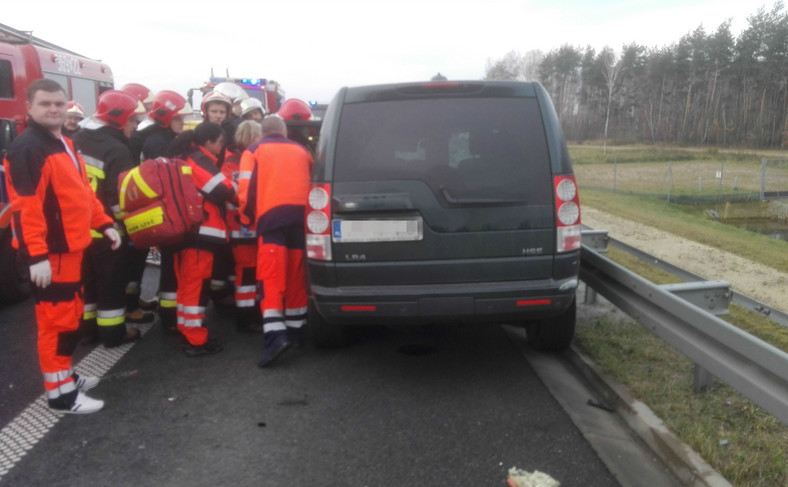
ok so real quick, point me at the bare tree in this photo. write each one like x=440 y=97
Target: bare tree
x=509 y=67
x=612 y=71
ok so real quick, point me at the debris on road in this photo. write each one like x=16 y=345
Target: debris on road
x=522 y=478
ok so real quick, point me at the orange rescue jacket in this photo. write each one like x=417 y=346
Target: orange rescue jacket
x=216 y=190
x=54 y=205
x=273 y=183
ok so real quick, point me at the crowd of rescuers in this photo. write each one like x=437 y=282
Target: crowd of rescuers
x=248 y=254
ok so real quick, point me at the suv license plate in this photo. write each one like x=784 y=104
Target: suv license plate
x=377 y=230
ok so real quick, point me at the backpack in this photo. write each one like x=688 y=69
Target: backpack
x=160 y=202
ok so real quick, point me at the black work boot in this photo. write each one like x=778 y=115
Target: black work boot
x=296 y=336
x=274 y=344
x=245 y=321
x=211 y=346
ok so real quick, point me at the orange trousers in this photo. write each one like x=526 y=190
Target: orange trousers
x=58 y=309
x=245 y=256
x=280 y=265
x=247 y=310
x=193 y=270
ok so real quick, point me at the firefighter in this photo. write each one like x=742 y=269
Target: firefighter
x=167 y=111
x=216 y=107
x=137 y=257
x=252 y=109
x=222 y=277
x=299 y=111
x=74 y=114
x=235 y=93
x=273 y=192
x=145 y=96
x=140 y=92
x=54 y=211
x=194 y=260
x=103 y=145
x=243 y=240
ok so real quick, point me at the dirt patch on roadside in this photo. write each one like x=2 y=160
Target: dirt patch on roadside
x=750 y=278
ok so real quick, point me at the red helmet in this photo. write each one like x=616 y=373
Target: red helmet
x=139 y=92
x=166 y=106
x=216 y=97
x=295 y=109
x=74 y=108
x=116 y=107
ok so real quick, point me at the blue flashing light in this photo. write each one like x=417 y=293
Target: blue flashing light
x=312 y=103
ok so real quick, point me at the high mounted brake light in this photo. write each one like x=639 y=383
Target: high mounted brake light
x=442 y=85
x=567 y=208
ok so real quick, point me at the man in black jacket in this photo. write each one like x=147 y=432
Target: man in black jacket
x=103 y=143
x=167 y=111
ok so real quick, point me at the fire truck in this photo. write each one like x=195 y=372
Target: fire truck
x=23 y=59
x=269 y=92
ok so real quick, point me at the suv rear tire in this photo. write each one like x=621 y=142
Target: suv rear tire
x=325 y=334
x=553 y=334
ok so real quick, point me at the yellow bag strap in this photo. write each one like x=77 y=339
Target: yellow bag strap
x=141 y=184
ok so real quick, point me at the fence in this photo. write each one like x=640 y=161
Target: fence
x=690 y=181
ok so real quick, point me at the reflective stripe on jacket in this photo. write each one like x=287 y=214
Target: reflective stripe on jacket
x=55 y=207
x=106 y=155
x=216 y=190
x=238 y=233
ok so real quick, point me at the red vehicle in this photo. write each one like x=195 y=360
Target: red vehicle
x=23 y=59
x=269 y=92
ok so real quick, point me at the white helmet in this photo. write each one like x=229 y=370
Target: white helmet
x=232 y=91
x=251 y=104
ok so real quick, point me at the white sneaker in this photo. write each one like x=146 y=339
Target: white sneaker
x=83 y=405
x=86 y=382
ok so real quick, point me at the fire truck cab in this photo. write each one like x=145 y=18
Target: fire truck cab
x=269 y=92
x=23 y=59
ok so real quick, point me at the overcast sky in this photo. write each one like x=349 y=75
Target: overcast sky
x=313 y=48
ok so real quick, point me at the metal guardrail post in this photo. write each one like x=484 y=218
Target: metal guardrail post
x=597 y=240
x=703 y=379
x=753 y=367
x=712 y=296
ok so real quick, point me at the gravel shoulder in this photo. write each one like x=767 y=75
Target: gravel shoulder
x=750 y=278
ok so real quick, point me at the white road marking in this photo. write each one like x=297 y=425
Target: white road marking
x=23 y=432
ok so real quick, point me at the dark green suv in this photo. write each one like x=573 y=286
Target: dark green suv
x=443 y=202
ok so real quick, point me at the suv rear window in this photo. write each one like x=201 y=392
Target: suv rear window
x=468 y=150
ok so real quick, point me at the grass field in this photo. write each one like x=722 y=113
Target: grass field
x=673 y=172
x=748 y=446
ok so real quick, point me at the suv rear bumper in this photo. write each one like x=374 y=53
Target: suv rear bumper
x=509 y=301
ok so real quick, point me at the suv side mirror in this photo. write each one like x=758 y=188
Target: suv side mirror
x=7 y=134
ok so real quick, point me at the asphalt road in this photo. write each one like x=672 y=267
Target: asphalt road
x=441 y=406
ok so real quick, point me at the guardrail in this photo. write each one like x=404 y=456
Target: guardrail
x=753 y=367
x=598 y=239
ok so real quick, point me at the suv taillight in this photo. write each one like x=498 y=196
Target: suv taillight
x=567 y=208
x=318 y=222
